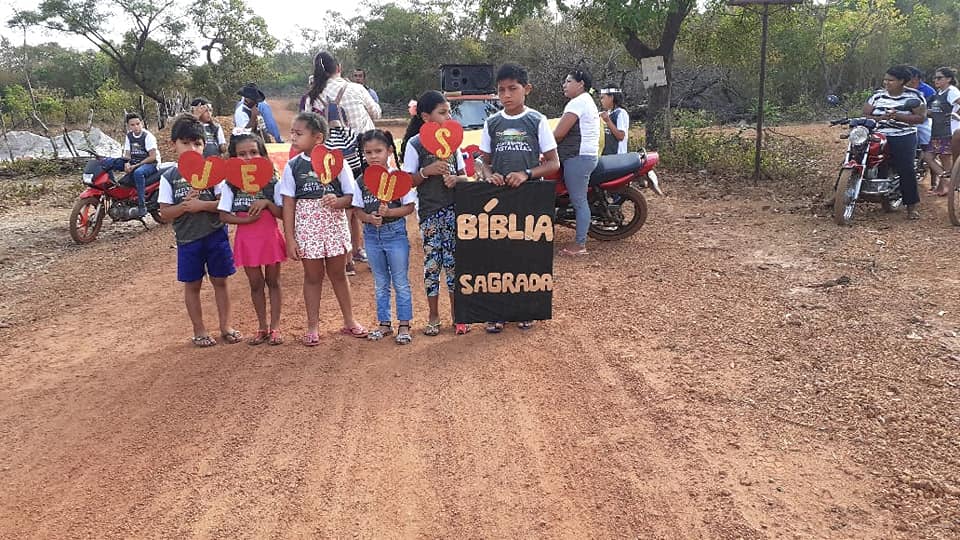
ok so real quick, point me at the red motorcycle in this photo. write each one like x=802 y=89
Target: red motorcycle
x=105 y=196
x=617 y=206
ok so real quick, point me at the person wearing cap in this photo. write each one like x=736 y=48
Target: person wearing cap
x=254 y=115
x=214 y=143
x=616 y=121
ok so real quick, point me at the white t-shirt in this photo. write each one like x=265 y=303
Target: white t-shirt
x=288 y=186
x=623 y=124
x=165 y=194
x=586 y=110
x=411 y=160
x=149 y=143
x=226 y=198
x=409 y=198
x=953 y=95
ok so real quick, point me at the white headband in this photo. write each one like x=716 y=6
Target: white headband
x=611 y=91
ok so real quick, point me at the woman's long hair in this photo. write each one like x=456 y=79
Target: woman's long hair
x=428 y=101
x=324 y=66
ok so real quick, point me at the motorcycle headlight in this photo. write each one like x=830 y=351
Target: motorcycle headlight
x=859 y=135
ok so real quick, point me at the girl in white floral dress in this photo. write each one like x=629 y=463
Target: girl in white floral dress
x=315 y=225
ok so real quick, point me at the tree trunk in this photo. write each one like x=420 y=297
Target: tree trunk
x=659 y=118
x=658 y=106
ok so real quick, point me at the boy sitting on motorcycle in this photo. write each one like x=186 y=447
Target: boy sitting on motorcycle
x=140 y=157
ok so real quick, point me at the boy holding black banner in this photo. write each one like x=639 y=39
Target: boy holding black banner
x=513 y=141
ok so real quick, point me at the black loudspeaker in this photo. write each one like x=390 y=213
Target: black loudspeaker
x=467 y=78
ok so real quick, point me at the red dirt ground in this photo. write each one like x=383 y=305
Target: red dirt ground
x=702 y=379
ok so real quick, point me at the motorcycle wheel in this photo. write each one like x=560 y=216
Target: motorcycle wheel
x=633 y=206
x=842 y=205
x=953 y=204
x=82 y=229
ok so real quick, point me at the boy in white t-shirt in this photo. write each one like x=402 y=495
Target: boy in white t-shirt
x=140 y=149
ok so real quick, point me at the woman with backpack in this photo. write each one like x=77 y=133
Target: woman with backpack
x=350 y=112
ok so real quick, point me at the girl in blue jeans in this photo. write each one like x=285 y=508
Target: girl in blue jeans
x=385 y=239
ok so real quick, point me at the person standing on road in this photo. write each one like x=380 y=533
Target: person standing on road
x=360 y=77
x=356 y=110
x=902 y=134
x=941 y=108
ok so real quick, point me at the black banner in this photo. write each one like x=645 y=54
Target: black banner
x=504 y=252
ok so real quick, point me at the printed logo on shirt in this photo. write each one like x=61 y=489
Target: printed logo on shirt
x=512 y=140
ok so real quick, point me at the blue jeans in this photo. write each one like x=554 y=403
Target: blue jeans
x=576 y=176
x=388 y=254
x=140 y=175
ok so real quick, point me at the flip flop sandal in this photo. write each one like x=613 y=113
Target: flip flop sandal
x=232 y=336
x=357 y=331
x=312 y=339
x=261 y=337
x=383 y=331
x=403 y=338
x=462 y=329
x=494 y=327
x=574 y=252
x=432 y=329
x=203 y=341
x=276 y=338
x=525 y=325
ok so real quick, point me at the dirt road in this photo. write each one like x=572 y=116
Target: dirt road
x=706 y=378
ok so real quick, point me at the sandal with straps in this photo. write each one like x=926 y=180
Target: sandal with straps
x=403 y=338
x=232 y=336
x=260 y=337
x=494 y=327
x=432 y=329
x=203 y=341
x=276 y=338
x=385 y=329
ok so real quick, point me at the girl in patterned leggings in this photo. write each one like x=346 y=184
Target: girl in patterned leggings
x=434 y=179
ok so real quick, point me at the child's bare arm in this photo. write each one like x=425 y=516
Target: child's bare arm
x=234 y=219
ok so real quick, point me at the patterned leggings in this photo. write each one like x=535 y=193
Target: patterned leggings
x=439 y=233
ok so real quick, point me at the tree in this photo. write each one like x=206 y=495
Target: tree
x=235 y=42
x=403 y=49
x=149 y=53
x=628 y=19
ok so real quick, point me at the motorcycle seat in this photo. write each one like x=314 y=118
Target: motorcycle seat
x=151 y=179
x=615 y=166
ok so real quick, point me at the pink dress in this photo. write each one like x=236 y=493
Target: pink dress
x=259 y=243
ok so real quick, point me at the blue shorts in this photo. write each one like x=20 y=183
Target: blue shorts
x=208 y=254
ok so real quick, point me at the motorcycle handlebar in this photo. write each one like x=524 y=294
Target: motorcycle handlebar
x=841 y=121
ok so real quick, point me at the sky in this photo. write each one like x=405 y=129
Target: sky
x=282 y=16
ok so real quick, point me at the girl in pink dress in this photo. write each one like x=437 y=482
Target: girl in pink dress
x=316 y=227
x=258 y=245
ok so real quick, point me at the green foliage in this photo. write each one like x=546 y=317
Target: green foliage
x=731 y=155
x=235 y=44
x=689 y=119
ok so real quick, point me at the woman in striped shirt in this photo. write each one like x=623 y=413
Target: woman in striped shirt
x=903 y=108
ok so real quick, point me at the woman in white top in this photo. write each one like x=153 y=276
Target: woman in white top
x=578 y=139
x=941 y=108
